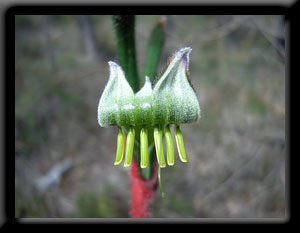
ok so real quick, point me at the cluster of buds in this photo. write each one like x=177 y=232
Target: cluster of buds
x=171 y=101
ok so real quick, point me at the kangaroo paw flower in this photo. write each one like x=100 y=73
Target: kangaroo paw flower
x=172 y=100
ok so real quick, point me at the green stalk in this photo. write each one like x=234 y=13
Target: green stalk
x=124 y=26
x=124 y=29
x=155 y=46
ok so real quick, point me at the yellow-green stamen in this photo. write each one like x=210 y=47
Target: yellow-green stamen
x=120 y=146
x=144 y=147
x=170 y=146
x=159 y=146
x=180 y=144
x=129 y=147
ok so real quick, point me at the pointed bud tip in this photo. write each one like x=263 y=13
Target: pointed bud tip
x=146 y=90
x=111 y=63
x=185 y=50
x=148 y=82
x=114 y=66
x=147 y=78
x=182 y=54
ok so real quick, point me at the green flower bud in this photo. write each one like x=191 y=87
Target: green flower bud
x=143 y=103
x=116 y=103
x=172 y=101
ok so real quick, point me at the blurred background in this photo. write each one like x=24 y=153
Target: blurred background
x=64 y=159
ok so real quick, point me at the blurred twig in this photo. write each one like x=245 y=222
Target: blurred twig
x=276 y=40
x=53 y=176
x=224 y=30
x=221 y=31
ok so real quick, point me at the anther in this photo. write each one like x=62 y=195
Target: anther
x=180 y=144
x=120 y=146
x=144 y=147
x=170 y=146
x=129 y=147
x=159 y=146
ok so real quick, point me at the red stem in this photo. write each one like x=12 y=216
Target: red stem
x=142 y=191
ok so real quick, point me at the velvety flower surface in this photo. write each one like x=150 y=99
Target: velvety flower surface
x=171 y=101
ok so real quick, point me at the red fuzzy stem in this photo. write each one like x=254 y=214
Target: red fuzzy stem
x=142 y=191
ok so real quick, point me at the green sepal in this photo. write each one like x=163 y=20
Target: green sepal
x=172 y=101
x=116 y=102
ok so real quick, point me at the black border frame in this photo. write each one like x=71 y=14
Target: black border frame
x=54 y=9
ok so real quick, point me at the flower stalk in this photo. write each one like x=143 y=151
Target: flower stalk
x=142 y=191
x=147 y=114
x=124 y=26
